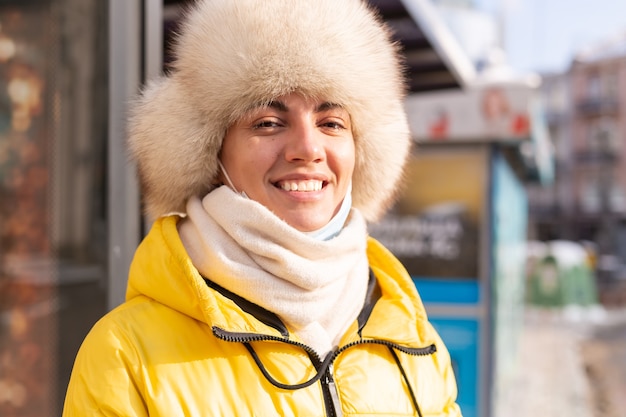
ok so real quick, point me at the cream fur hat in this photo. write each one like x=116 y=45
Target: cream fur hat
x=233 y=54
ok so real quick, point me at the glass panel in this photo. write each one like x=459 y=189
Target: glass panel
x=53 y=130
x=434 y=229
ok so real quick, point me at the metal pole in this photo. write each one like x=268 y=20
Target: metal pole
x=124 y=219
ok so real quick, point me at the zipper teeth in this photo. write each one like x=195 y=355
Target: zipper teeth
x=333 y=405
x=254 y=337
x=423 y=351
x=327 y=380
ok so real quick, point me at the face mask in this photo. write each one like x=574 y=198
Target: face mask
x=334 y=226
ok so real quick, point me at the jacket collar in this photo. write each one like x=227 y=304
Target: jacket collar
x=162 y=271
x=270 y=319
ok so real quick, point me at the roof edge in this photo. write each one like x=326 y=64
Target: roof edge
x=442 y=41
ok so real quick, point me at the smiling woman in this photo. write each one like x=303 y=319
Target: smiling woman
x=257 y=290
x=295 y=157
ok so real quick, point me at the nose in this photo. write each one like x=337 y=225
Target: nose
x=305 y=143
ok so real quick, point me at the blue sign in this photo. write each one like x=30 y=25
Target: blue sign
x=460 y=334
x=462 y=338
x=448 y=291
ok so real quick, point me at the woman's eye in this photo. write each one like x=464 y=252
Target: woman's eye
x=265 y=124
x=334 y=125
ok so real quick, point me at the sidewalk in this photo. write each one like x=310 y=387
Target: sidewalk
x=572 y=362
x=604 y=354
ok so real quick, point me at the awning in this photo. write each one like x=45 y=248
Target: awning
x=434 y=57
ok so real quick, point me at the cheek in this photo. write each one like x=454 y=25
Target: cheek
x=262 y=156
x=255 y=162
x=345 y=158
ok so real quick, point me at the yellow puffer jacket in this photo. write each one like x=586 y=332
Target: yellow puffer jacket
x=181 y=346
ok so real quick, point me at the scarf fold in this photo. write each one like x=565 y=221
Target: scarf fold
x=316 y=287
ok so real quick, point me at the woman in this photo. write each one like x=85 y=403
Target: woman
x=279 y=133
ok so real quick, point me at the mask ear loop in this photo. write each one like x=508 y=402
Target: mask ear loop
x=230 y=183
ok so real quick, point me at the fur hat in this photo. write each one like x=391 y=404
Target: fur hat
x=233 y=54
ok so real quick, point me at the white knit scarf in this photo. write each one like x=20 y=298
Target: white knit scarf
x=316 y=287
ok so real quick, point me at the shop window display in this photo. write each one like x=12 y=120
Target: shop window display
x=53 y=114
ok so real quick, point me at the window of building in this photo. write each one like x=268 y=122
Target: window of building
x=590 y=199
x=610 y=85
x=594 y=87
x=617 y=199
x=603 y=137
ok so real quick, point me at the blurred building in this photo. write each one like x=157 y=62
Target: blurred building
x=587 y=121
x=478 y=149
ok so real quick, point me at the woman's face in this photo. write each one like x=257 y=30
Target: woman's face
x=295 y=156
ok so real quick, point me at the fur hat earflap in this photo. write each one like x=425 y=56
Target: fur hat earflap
x=231 y=55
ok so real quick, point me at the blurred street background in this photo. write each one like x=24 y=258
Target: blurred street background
x=512 y=223
x=571 y=362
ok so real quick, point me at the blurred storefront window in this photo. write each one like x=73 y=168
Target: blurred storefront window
x=53 y=217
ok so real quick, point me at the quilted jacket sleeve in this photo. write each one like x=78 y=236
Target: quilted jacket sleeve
x=103 y=381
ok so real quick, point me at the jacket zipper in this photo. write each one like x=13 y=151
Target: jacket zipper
x=421 y=351
x=255 y=337
x=331 y=396
x=329 y=389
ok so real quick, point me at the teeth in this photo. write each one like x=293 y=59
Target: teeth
x=311 y=185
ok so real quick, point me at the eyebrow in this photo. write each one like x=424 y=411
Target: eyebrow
x=280 y=106
x=328 y=106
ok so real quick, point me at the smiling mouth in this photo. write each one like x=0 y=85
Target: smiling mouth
x=302 y=186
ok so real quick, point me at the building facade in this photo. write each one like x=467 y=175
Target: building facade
x=586 y=114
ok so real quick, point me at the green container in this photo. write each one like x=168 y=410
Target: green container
x=562 y=277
